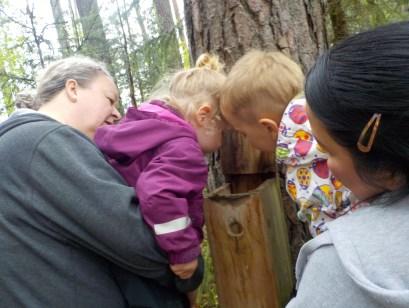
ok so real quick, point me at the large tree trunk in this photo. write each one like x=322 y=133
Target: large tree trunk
x=94 y=42
x=60 y=26
x=229 y=28
x=168 y=33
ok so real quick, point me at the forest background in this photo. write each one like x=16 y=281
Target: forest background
x=144 y=41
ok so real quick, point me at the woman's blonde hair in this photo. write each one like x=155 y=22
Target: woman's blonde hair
x=52 y=80
x=26 y=99
x=189 y=89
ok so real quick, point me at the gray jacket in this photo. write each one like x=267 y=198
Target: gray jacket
x=361 y=261
x=66 y=220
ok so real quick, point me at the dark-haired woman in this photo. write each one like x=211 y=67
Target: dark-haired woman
x=358 y=106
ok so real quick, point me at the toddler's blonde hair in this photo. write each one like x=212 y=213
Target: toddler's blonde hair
x=261 y=82
x=191 y=88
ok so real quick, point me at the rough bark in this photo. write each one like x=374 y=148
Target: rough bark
x=231 y=27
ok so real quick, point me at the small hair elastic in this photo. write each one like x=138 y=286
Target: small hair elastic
x=374 y=124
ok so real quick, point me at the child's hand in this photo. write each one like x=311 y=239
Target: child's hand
x=192 y=299
x=185 y=270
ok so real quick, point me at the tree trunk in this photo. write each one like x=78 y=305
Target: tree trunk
x=60 y=26
x=338 y=20
x=37 y=38
x=141 y=21
x=168 y=33
x=135 y=65
x=164 y=12
x=126 y=59
x=74 y=26
x=229 y=28
x=181 y=34
x=94 y=43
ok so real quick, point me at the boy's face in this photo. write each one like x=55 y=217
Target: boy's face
x=259 y=136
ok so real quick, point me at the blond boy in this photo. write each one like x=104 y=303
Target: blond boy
x=258 y=101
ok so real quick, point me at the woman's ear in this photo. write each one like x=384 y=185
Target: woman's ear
x=270 y=125
x=203 y=114
x=393 y=182
x=71 y=89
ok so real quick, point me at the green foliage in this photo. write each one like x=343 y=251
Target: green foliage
x=207 y=296
x=157 y=60
x=183 y=48
x=12 y=74
x=365 y=14
x=152 y=56
x=372 y=13
x=159 y=52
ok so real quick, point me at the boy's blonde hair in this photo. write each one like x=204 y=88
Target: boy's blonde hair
x=189 y=89
x=261 y=82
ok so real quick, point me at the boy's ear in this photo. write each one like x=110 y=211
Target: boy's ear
x=71 y=89
x=203 y=114
x=270 y=125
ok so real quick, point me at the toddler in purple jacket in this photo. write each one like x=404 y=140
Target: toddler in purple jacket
x=159 y=148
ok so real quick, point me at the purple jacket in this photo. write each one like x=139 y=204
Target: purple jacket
x=157 y=153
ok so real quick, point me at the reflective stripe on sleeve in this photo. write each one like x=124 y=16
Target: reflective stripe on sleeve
x=172 y=226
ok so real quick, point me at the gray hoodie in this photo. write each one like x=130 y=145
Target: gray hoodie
x=68 y=224
x=361 y=261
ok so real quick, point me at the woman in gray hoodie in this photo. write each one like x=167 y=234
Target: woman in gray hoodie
x=71 y=232
x=358 y=105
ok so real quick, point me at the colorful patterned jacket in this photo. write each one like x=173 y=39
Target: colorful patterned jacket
x=320 y=197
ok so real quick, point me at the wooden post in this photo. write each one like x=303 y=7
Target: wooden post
x=244 y=167
x=249 y=245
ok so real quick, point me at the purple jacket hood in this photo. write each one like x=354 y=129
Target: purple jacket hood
x=148 y=129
